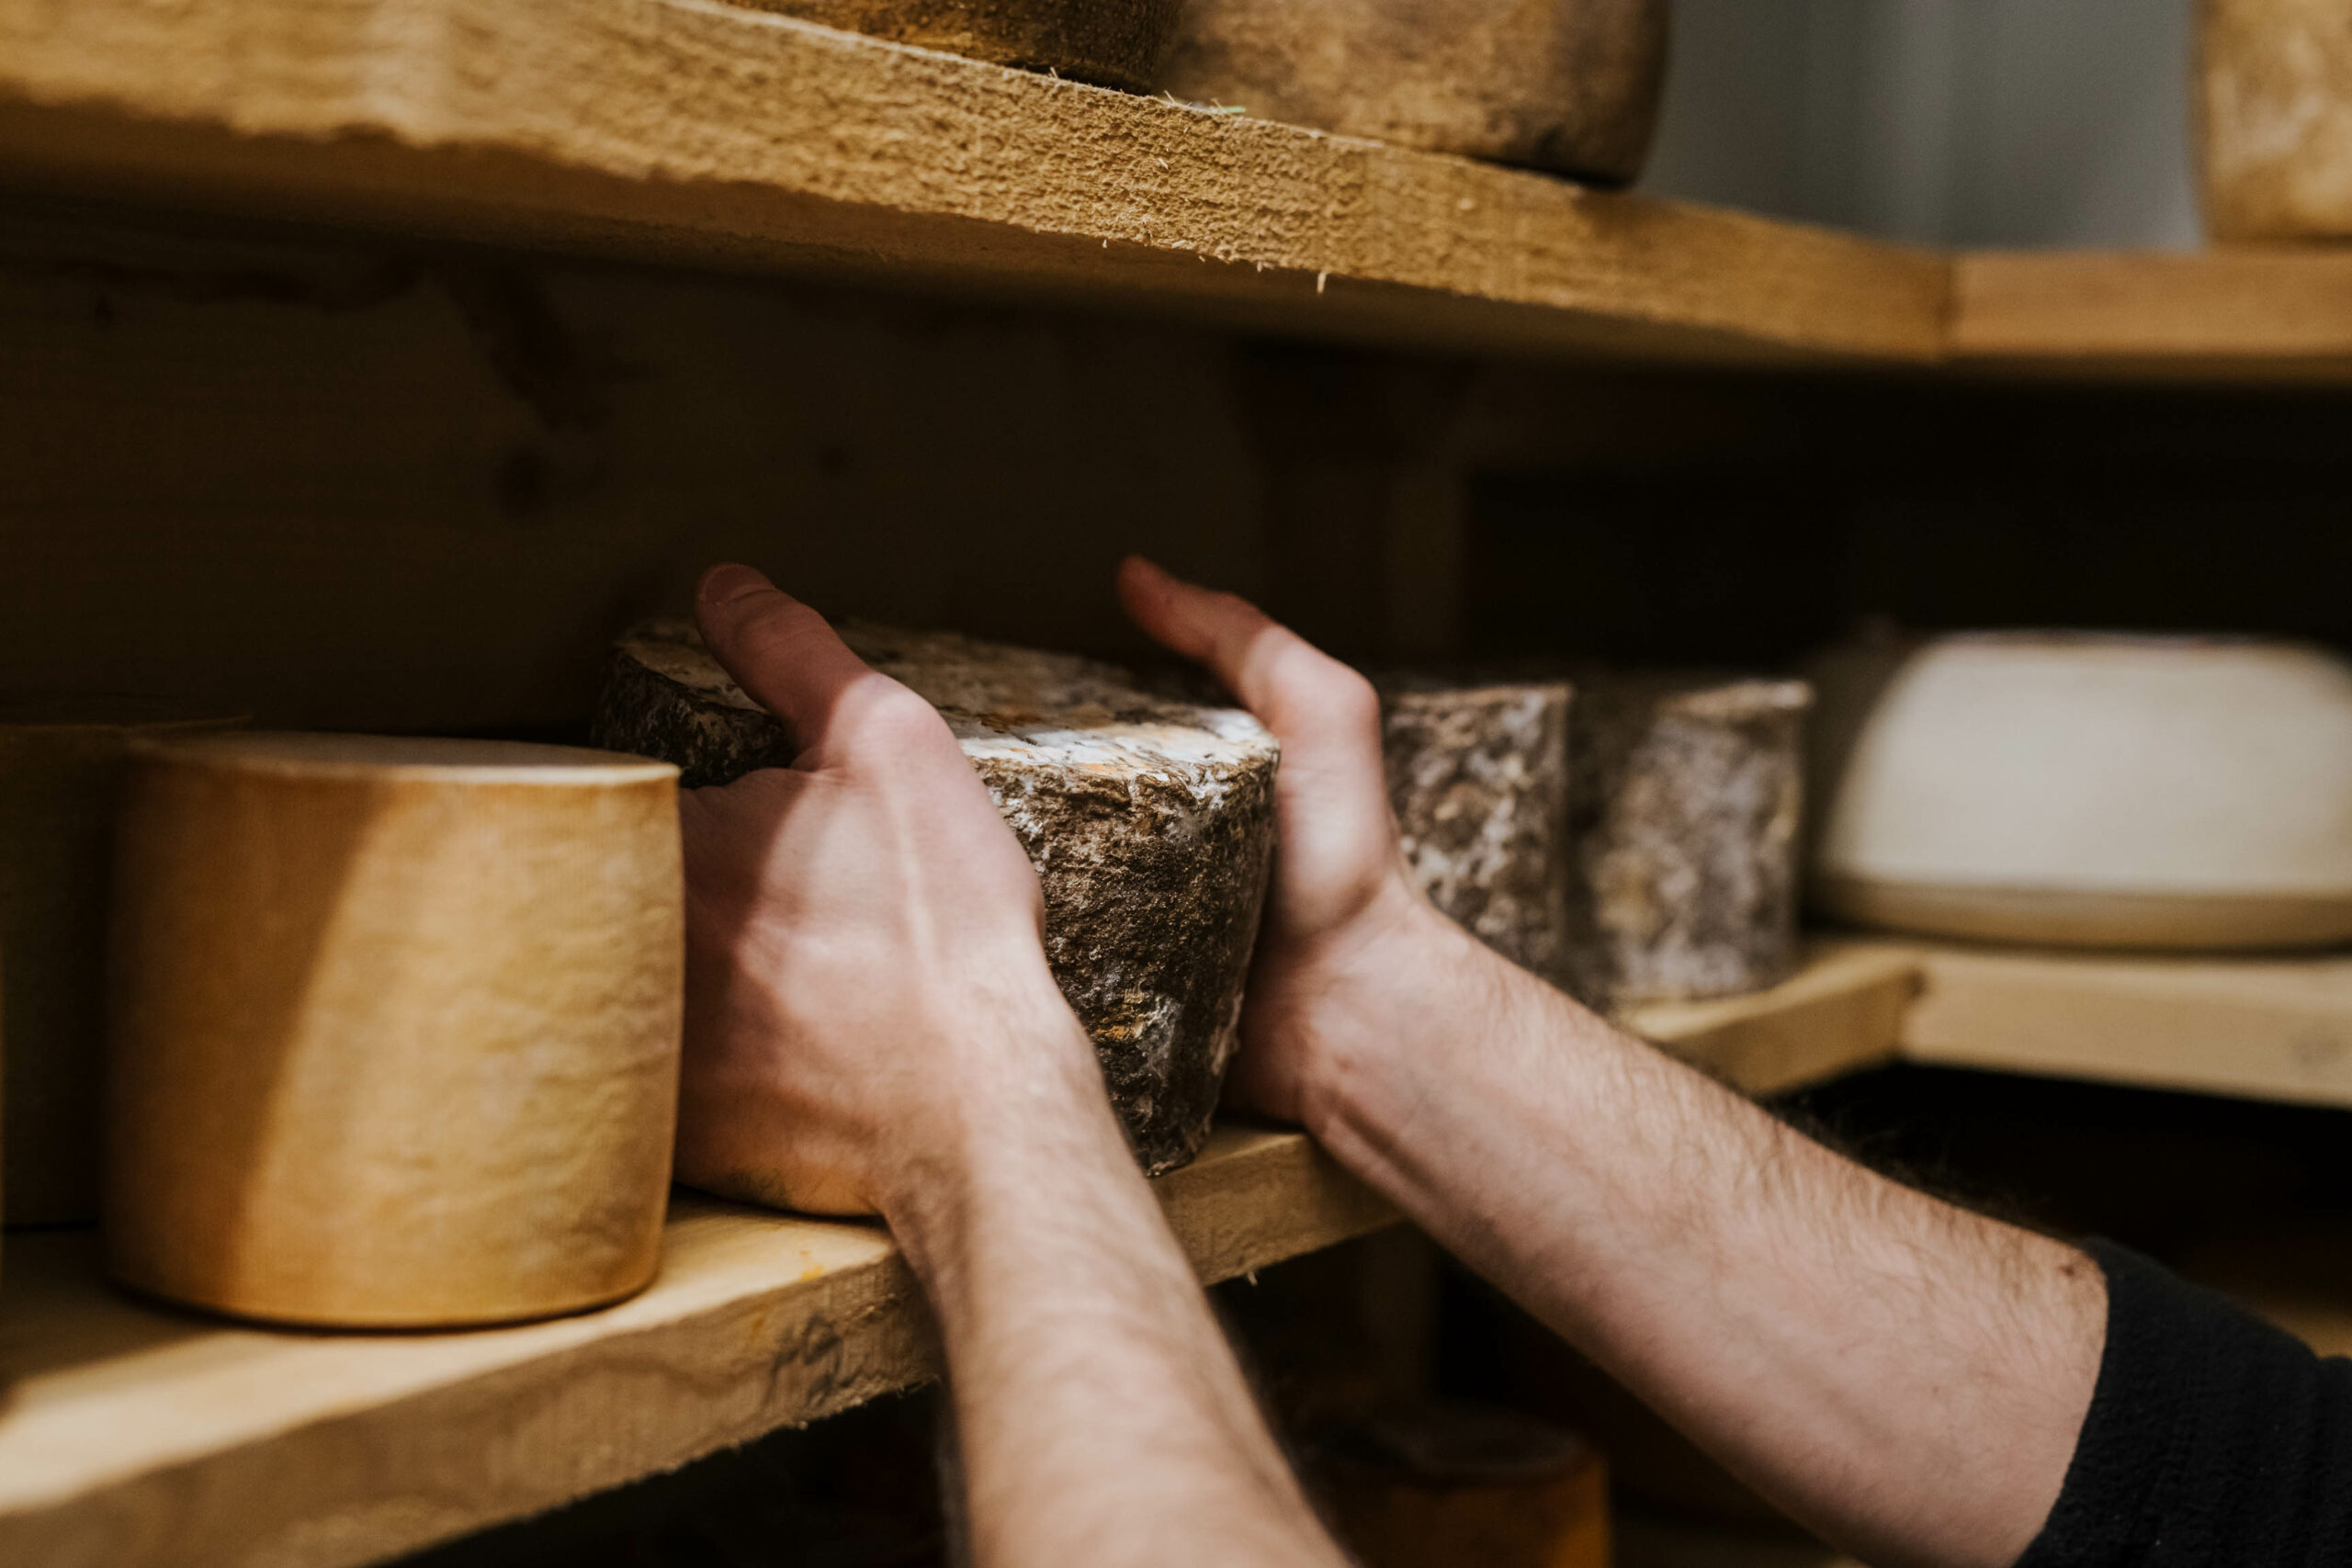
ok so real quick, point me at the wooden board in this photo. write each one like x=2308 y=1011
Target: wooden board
x=133 y=1434
x=1841 y=1013
x=2248 y=312
x=2264 y=1028
x=691 y=131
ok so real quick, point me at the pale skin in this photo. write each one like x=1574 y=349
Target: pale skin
x=871 y=1027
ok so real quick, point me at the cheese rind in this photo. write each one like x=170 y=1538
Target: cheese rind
x=1685 y=798
x=1478 y=777
x=1149 y=823
x=396 y=1039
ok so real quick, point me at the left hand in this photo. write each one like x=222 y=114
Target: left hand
x=867 y=998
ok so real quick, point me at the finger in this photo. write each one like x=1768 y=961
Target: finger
x=779 y=650
x=1303 y=695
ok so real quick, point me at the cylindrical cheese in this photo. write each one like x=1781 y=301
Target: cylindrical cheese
x=1570 y=86
x=396 y=1027
x=1683 y=808
x=2274 y=117
x=1478 y=777
x=1151 y=824
x=61 y=776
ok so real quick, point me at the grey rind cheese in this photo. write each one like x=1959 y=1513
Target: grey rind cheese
x=1151 y=824
x=1479 y=775
x=1684 y=800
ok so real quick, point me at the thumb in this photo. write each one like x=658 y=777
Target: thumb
x=1311 y=701
x=779 y=650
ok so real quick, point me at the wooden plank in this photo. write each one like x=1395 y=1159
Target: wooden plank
x=1842 y=1012
x=692 y=131
x=2247 y=312
x=2264 y=1028
x=134 y=1435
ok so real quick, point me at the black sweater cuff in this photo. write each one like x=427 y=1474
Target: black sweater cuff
x=2212 y=1438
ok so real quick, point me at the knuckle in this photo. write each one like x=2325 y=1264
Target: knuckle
x=879 y=713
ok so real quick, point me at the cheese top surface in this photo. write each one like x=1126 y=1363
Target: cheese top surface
x=1003 y=704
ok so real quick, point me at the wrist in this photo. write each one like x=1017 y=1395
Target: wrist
x=1022 y=1108
x=1402 y=985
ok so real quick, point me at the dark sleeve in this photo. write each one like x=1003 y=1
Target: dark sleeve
x=2212 y=1438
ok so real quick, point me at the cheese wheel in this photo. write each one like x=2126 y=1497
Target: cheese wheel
x=397 y=1031
x=1478 y=776
x=1570 y=85
x=1116 y=42
x=1684 y=794
x=62 y=760
x=1151 y=823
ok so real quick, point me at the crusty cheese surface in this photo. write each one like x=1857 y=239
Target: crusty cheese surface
x=1004 y=704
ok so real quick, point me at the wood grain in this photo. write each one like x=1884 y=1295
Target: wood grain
x=2238 y=313
x=567 y=124
x=1842 y=1012
x=135 y=1438
x=2268 y=1028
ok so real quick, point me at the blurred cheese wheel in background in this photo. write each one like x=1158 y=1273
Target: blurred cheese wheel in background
x=2086 y=789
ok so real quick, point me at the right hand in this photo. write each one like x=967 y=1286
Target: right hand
x=1347 y=930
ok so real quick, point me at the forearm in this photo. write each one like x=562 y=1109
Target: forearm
x=1903 y=1375
x=1101 y=1415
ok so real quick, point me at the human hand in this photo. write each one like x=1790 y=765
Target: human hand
x=1347 y=932
x=867 y=990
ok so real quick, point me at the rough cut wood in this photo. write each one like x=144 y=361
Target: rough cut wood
x=692 y=132
x=136 y=1438
x=2262 y=1028
x=62 y=761
x=1119 y=42
x=1842 y=1011
x=1683 y=804
x=1479 y=775
x=1151 y=824
x=1570 y=85
x=397 y=1032
x=2275 y=118
x=2246 y=313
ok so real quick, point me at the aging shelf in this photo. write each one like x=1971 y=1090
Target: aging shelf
x=2261 y=1028
x=704 y=133
x=137 y=1437
x=685 y=130
x=134 y=1435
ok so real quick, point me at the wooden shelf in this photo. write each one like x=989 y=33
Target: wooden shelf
x=2241 y=314
x=702 y=133
x=687 y=130
x=2267 y=1028
x=134 y=1435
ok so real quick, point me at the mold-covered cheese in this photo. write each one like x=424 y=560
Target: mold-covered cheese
x=1479 y=775
x=1684 y=802
x=1150 y=822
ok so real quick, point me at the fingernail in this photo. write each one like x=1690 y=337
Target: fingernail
x=730 y=581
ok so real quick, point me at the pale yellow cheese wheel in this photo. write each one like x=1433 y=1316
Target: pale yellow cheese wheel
x=396 y=1027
